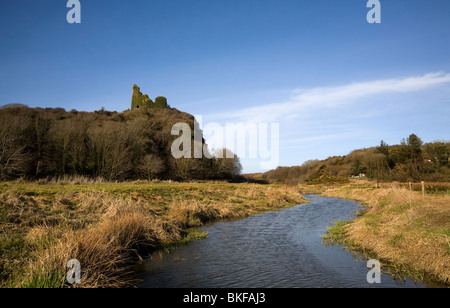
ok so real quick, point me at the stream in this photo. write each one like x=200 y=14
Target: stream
x=279 y=249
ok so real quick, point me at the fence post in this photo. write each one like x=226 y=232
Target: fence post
x=410 y=186
x=423 y=188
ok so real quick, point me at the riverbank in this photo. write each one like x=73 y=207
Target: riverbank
x=108 y=227
x=400 y=227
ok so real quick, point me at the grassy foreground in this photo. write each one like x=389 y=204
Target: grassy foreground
x=109 y=226
x=404 y=229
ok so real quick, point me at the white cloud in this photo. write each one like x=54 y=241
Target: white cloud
x=303 y=140
x=334 y=120
x=303 y=102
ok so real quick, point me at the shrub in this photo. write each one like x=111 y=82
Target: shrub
x=161 y=102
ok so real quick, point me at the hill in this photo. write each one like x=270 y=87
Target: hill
x=40 y=143
x=411 y=160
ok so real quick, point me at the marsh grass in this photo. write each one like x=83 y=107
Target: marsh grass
x=406 y=230
x=109 y=227
x=335 y=234
x=190 y=235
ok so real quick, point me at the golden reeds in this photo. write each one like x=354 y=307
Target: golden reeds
x=402 y=227
x=108 y=226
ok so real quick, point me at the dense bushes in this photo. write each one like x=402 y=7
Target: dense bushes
x=161 y=102
x=40 y=143
x=411 y=160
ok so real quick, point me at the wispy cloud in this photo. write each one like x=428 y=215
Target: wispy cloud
x=303 y=102
x=333 y=120
x=299 y=141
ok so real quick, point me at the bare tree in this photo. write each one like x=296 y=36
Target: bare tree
x=13 y=156
x=151 y=166
x=227 y=164
x=111 y=151
x=42 y=124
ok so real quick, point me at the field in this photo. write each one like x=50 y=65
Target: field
x=400 y=227
x=109 y=227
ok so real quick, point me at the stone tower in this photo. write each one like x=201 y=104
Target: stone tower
x=139 y=100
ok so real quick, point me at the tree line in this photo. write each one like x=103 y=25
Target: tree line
x=410 y=160
x=135 y=144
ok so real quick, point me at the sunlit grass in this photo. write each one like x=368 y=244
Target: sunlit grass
x=401 y=226
x=109 y=226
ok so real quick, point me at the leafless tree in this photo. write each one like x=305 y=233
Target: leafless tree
x=227 y=164
x=13 y=156
x=151 y=166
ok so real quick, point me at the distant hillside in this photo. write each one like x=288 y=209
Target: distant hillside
x=134 y=144
x=411 y=160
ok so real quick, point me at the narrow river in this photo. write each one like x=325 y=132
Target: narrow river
x=281 y=249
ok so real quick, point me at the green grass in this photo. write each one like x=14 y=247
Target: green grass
x=53 y=280
x=438 y=231
x=12 y=247
x=372 y=220
x=421 y=222
x=442 y=231
x=396 y=239
x=191 y=235
x=335 y=234
x=447 y=249
x=383 y=202
x=400 y=208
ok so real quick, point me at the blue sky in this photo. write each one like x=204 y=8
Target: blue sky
x=333 y=81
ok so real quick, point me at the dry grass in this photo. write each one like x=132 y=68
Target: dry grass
x=402 y=227
x=108 y=226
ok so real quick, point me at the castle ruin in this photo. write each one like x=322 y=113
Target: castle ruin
x=139 y=100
